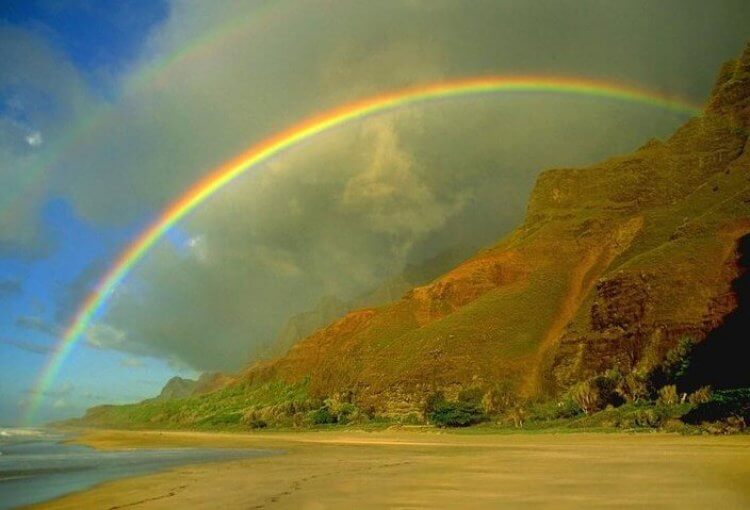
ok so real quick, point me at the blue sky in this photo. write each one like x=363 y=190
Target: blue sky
x=101 y=39
x=98 y=37
x=101 y=127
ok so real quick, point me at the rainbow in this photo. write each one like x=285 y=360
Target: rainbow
x=311 y=127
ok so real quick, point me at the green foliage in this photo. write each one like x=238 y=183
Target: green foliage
x=562 y=409
x=431 y=402
x=723 y=404
x=472 y=396
x=456 y=414
x=674 y=366
x=322 y=416
x=700 y=396
x=258 y=424
x=598 y=392
x=411 y=419
x=668 y=395
x=586 y=396
x=634 y=386
x=498 y=399
x=729 y=425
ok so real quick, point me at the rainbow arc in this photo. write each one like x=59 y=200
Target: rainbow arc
x=305 y=130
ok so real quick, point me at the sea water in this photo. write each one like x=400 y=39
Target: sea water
x=35 y=465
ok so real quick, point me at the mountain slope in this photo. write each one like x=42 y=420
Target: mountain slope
x=614 y=263
x=330 y=308
x=613 y=266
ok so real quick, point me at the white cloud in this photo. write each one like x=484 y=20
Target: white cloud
x=132 y=362
x=34 y=139
x=104 y=336
x=198 y=247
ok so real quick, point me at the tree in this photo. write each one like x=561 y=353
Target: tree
x=455 y=414
x=586 y=396
x=431 y=402
x=498 y=399
x=668 y=395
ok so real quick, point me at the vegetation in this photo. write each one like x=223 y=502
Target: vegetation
x=464 y=411
x=647 y=397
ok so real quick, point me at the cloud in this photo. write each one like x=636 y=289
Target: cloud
x=34 y=139
x=32 y=347
x=389 y=192
x=197 y=247
x=60 y=403
x=39 y=324
x=131 y=362
x=346 y=210
x=40 y=92
x=104 y=336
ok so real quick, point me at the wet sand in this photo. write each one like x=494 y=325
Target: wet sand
x=420 y=469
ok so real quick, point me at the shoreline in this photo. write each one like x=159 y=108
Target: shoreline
x=417 y=468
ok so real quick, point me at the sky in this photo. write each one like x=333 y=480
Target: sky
x=110 y=110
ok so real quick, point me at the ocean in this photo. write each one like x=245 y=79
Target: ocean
x=35 y=465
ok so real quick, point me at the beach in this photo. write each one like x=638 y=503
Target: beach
x=429 y=468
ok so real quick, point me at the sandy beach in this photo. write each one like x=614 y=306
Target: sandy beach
x=420 y=469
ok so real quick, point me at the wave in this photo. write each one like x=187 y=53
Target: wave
x=23 y=434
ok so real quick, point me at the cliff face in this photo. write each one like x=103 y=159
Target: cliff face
x=331 y=308
x=675 y=280
x=613 y=265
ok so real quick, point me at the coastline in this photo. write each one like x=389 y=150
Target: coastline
x=418 y=468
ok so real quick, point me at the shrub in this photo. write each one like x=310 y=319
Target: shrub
x=518 y=415
x=586 y=396
x=722 y=405
x=498 y=399
x=322 y=416
x=258 y=424
x=634 y=386
x=298 y=420
x=472 y=396
x=563 y=408
x=700 y=396
x=346 y=413
x=668 y=395
x=608 y=384
x=411 y=419
x=598 y=392
x=648 y=418
x=455 y=414
x=675 y=426
x=431 y=402
x=674 y=366
x=730 y=425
